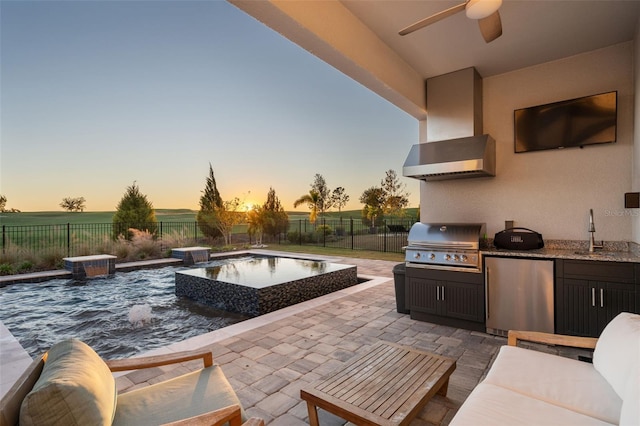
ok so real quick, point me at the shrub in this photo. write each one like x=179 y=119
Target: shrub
x=6 y=269
x=323 y=230
x=25 y=266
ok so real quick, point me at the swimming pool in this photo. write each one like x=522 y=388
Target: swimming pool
x=119 y=315
x=129 y=313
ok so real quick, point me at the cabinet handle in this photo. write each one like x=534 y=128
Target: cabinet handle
x=487 y=286
x=443 y=293
x=593 y=296
x=602 y=298
x=438 y=292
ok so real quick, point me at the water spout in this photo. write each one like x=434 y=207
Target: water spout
x=94 y=270
x=200 y=256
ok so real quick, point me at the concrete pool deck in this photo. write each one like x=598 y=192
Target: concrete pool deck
x=269 y=358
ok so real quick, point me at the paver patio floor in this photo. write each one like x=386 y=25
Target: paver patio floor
x=269 y=363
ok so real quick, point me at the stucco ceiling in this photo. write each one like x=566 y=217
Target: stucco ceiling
x=360 y=37
x=534 y=31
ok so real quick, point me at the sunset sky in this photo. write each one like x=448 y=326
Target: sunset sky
x=95 y=95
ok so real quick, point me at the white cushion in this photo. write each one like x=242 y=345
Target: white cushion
x=618 y=350
x=630 y=414
x=568 y=383
x=493 y=405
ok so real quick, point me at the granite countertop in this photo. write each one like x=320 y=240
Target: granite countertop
x=613 y=251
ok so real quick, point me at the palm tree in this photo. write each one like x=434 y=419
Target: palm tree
x=312 y=199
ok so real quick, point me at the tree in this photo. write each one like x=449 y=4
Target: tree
x=312 y=200
x=275 y=220
x=319 y=185
x=3 y=204
x=256 y=220
x=396 y=199
x=373 y=199
x=73 y=204
x=134 y=211
x=339 y=198
x=210 y=203
x=227 y=216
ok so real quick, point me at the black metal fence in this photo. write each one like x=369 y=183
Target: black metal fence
x=84 y=239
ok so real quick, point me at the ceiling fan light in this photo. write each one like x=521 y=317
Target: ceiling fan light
x=479 y=9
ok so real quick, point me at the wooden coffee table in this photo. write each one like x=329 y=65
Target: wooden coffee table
x=389 y=385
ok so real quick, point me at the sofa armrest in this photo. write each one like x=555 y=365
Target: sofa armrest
x=230 y=414
x=160 y=360
x=551 y=339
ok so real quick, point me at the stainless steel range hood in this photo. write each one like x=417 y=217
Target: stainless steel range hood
x=473 y=156
x=455 y=147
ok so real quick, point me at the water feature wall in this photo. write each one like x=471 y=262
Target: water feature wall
x=254 y=301
x=191 y=255
x=90 y=266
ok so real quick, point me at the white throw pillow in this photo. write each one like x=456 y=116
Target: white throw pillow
x=618 y=351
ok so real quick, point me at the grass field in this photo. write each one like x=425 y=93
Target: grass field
x=163 y=215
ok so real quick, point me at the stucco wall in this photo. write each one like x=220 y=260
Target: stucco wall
x=549 y=191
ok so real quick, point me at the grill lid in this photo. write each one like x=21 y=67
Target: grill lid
x=446 y=235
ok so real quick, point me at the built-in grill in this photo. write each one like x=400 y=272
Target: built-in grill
x=448 y=246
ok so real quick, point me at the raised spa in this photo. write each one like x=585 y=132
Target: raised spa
x=261 y=285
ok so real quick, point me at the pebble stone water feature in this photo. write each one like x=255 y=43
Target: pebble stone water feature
x=261 y=285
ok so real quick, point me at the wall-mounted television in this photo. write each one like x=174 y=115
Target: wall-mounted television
x=572 y=123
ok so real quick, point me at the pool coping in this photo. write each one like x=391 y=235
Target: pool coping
x=14 y=359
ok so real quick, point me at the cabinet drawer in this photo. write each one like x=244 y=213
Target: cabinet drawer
x=593 y=270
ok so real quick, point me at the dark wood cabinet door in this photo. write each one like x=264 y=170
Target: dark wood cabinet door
x=424 y=295
x=577 y=315
x=588 y=306
x=462 y=300
x=613 y=298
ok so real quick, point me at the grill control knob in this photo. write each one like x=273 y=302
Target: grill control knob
x=416 y=256
x=447 y=257
x=456 y=257
x=432 y=256
x=463 y=258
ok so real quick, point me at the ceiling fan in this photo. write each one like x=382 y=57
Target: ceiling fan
x=485 y=11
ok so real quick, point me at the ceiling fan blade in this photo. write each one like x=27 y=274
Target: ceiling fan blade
x=433 y=18
x=491 y=27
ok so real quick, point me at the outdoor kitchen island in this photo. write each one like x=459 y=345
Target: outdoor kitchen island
x=589 y=289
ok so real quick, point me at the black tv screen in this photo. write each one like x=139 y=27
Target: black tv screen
x=571 y=123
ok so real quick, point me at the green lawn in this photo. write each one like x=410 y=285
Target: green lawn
x=163 y=215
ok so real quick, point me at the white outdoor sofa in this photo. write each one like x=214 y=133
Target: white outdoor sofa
x=527 y=387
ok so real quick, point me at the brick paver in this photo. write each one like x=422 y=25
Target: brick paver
x=267 y=366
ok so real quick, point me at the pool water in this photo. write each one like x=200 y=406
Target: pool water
x=119 y=316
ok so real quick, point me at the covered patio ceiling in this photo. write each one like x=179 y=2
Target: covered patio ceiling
x=360 y=37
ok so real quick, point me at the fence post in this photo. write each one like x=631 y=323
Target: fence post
x=300 y=231
x=4 y=238
x=351 y=231
x=324 y=232
x=384 y=239
x=68 y=239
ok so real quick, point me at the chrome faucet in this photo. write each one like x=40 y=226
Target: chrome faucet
x=592 y=230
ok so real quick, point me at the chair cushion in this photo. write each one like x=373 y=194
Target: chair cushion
x=497 y=406
x=185 y=396
x=618 y=350
x=630 y=414
x=567 y=383
x=75 y=388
